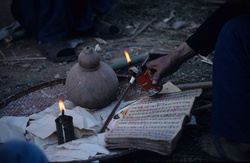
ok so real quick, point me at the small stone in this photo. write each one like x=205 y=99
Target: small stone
x=57 y=76
x=25 y=66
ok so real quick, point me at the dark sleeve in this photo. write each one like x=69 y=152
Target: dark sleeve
x=204 y=39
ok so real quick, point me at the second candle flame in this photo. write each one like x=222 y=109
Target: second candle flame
x=127 y=56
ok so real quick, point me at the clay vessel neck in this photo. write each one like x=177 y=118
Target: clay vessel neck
x=88 y=59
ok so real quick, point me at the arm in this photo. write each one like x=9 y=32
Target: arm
x=204 y=39
x=201 y=42
x=170 y=63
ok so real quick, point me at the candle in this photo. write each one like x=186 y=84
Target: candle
x=64 y=126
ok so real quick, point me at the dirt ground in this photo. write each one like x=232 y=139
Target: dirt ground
x=22 y=65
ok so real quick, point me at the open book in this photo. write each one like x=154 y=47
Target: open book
x=153 y=123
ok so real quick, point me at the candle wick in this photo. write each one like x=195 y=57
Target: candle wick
x=62 y=112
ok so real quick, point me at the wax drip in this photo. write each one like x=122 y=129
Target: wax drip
x=64 y=137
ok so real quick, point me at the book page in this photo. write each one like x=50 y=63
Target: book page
x=154 y=118
x=152 y=128
x=167 y=105
x=177 y=96
x=161 y=109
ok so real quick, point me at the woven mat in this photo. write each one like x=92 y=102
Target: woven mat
x=35 y=102
x=40 y=97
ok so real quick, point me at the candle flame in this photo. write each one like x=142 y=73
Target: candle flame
x=127 y=56
x=61 y=105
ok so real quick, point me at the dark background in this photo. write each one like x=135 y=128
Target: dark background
x=19 y=72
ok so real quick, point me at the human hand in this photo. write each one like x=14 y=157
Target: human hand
x=162 y=67
x=167 y=65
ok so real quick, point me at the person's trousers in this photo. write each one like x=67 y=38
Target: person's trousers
x=53 y=19
x=231 y=81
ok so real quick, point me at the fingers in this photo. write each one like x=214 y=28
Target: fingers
x=156 y=78
x=155 y=66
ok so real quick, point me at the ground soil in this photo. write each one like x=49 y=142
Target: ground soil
x=18 y=71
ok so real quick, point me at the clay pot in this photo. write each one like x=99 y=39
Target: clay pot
x=91 y=83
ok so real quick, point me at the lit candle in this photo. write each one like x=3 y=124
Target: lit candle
x=64 y=126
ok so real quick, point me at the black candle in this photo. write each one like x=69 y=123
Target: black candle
x=64 y=126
